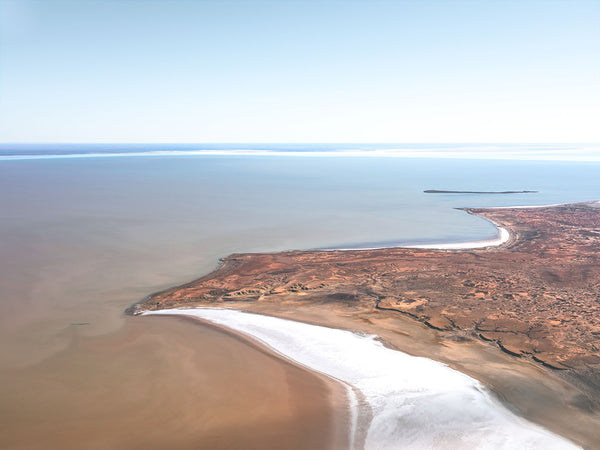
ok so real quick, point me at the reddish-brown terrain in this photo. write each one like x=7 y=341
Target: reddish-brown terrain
x=536 y=297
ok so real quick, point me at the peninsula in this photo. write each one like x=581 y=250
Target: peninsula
x=529 y=306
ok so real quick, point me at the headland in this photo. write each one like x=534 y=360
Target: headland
x=522 y=317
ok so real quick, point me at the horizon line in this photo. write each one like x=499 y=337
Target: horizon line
x=303 y=142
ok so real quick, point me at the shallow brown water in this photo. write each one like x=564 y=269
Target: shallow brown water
x=165 y=383
x=79 y=243
x=81 y=240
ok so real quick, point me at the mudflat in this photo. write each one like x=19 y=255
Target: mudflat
x=523 y=318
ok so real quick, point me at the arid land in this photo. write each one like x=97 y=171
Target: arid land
x=523 y=318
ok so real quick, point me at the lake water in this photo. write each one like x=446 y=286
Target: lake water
x=84 y=237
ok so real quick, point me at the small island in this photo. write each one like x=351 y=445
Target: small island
x=439 y=191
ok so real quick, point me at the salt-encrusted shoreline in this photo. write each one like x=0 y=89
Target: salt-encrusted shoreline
x=415 y=402
x=503 y=237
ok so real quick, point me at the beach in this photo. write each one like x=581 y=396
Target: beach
x=527 y=389
x=397 y=401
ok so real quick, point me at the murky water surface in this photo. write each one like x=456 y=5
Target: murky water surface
x=83 y=238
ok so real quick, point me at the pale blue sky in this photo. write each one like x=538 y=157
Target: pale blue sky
x=299 y=71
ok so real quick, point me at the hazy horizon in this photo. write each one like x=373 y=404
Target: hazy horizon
x=540 y=152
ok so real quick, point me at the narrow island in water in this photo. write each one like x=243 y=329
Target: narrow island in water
x=438 y=191
x=522 y=317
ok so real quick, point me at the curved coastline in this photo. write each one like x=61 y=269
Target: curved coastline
x=504 y=237
x=406 y=393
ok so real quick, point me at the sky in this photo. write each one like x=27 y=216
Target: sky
x=299 y=71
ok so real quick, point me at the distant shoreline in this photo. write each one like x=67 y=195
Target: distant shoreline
x=438 y=191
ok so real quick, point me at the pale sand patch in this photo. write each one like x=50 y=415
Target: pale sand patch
x=528 y=389
x=415 y=402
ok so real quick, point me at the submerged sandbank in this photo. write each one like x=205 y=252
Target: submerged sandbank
x=414 y=402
